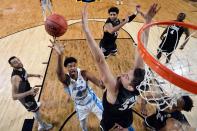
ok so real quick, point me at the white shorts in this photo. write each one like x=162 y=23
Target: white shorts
x=95 y=106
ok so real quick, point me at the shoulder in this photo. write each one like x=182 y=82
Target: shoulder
x=15 y=78
x=84 y=74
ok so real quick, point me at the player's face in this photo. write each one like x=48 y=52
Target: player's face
x=179 y=106
x=16 y=63
x=72 y=68
x=113 y=16
x=126 y=80
x=181 y=17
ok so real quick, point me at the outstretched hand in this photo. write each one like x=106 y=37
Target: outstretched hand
x=151 y=12
x=59 y=48
x=34 y=91
x=138 y=8
x=85 y=18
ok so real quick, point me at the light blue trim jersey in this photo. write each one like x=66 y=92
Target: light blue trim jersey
x=80 y=91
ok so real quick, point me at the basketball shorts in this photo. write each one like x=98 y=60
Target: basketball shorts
x=31 y=105
x=94 y=106
x=168 y=45
x=153 y=123
x=109 y=50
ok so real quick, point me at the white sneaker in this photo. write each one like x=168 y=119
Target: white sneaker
x=39 y=104
x=117 y=2
x=44 y=127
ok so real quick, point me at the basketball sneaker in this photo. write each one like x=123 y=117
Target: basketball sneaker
x=44 y=127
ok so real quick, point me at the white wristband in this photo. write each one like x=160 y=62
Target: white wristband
x=135 y=13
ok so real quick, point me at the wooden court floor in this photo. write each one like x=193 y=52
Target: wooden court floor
x=31 y=47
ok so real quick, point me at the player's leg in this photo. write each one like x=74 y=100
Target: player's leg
x=43 y=5
x=41 y=124
x=168 y=57
x=121 y=2
x=151 y=122
x=97 y=108
x=117 y=2
x=159 y=53
x=82 y=114
x=113 y=49
x=105 y=51
x=49 y=6
x=83 y=125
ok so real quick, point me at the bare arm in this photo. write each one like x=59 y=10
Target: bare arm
x=109 y=28
x=164 y=32
x=187 y=33
x=103 y=67
x=59 y=48
x=15 y=80
x=93 y=79
x=34 y=75
x=138 y=63
x=60 y=69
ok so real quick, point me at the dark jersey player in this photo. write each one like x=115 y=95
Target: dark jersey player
x=22 y=91
x=171 y=39
x=158 y=120
x=121 y=92
x=110 y=29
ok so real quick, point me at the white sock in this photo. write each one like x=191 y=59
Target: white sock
x=38 y=118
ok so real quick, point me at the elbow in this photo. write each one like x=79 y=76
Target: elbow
x=100 y=59
x=111 y=31
x=14 y=98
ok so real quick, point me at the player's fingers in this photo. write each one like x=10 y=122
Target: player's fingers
x=38 y=86
x=51 y=46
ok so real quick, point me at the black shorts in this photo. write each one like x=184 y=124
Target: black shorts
x=168 y=45
x=153 y=123
x=31 y=106
x=107 y=50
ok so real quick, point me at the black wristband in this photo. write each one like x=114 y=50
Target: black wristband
x=131 y=17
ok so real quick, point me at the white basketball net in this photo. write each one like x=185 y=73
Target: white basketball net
x=155 y=89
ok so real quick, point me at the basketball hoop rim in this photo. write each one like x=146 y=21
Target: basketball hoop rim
x=159 y=68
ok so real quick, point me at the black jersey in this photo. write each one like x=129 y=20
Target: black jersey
x=24 y=86
x=158 y=120
x=108 y=40
x=120 y=112
x=171 y=40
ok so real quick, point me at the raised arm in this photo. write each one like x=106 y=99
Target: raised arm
x=139 y=63
x=106 y=75
x=15 y=81
x=34 y=75
x=59 y=49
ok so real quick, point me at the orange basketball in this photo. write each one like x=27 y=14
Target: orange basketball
x=56 y=25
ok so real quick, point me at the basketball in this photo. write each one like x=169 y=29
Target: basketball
x=56 y=25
